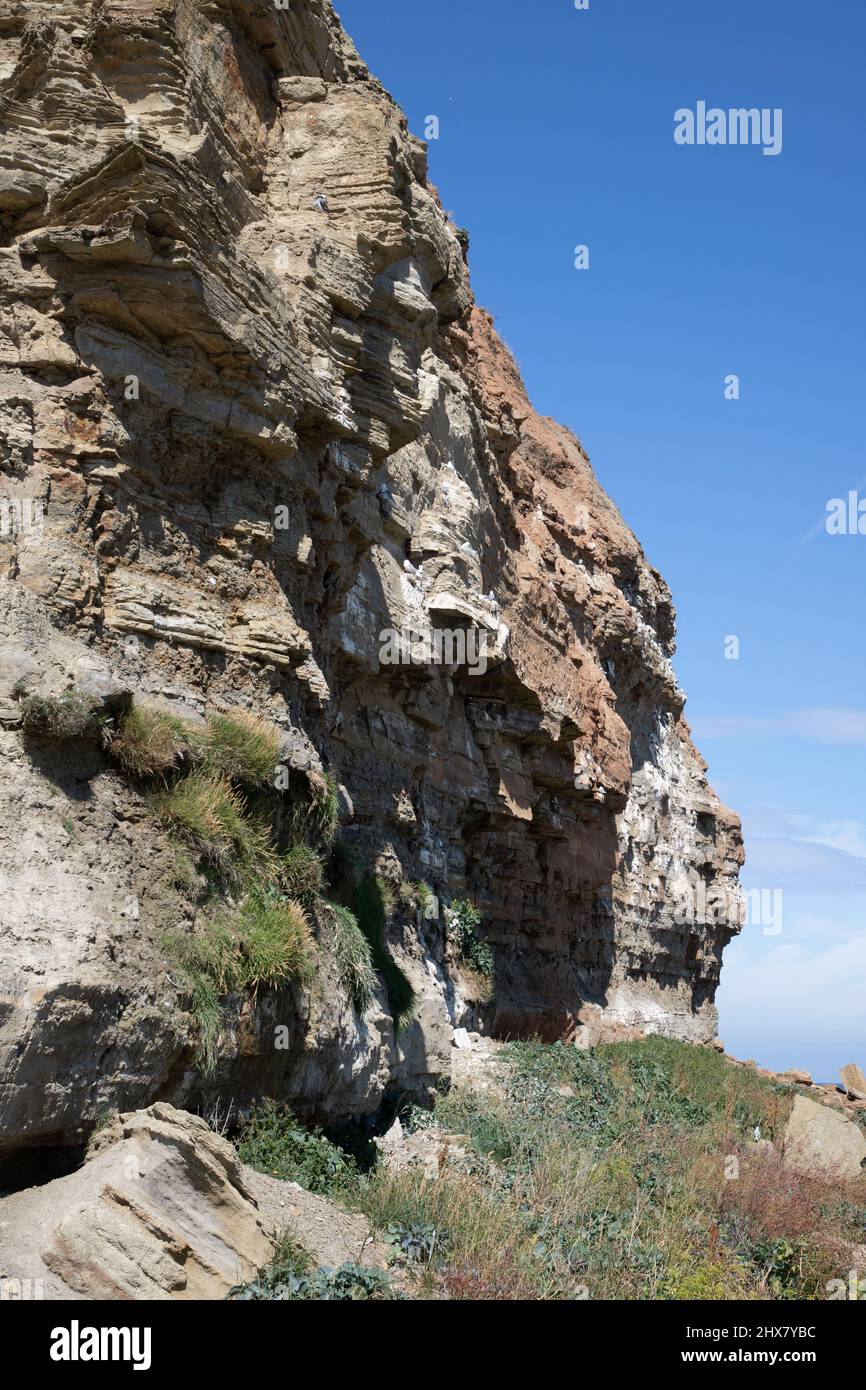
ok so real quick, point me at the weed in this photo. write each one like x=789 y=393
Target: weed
x=211 y=817
x=354 y=956
x=464 y=920
x=267 y=942
x=241 y=748
x=274 y=1142
x=70 y=715
x=301 y=872
x=316 y=816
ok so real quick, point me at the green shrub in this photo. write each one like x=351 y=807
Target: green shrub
x=353 y=956
x=350 y=1282
x=273 y=1141
x=70 y=715
x=369 y=906
x=464 y=921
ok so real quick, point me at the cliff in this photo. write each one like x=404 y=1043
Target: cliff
x=242 y=441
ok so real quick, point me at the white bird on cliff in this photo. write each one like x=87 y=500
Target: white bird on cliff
x=320 y=202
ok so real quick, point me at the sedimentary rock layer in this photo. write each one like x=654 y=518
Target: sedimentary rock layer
x=258 y=436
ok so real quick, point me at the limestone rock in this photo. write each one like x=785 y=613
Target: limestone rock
x=159 y=1210
x=854 y=1081
x=818 y=1138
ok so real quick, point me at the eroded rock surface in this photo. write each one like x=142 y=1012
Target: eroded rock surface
x=254 y=437
x=159 y=1210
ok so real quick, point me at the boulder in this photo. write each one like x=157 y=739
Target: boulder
x=854 y=1081
x=819 y=1139
x=159 y=1210
x=802 y=1078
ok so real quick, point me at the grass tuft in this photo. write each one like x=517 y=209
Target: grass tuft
x=267 y=942
x=241 y=748
x=211 y=817
x=150 y=742
x=301 y=872
x=353 y=955
x=70 y=715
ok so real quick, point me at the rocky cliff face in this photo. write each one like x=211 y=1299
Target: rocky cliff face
x=242 y=441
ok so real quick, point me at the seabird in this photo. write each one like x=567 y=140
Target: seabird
x=320 y=202
x=386 y=499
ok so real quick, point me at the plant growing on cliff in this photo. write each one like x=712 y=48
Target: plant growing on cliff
x=316 y=813
x=151 y=742
x=267 y=942
x=242 y=748
x=69 y=715
x=212 y=818
x=464 y=919
x=301 y=872
x=369 y=906
x=353 y=955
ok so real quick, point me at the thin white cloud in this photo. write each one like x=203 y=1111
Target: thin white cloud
x=802 y=866
x=818 y=994
x=845 y=728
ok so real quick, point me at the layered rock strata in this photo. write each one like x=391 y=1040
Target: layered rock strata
x=244 y=442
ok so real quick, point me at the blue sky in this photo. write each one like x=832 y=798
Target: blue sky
x=556 y=129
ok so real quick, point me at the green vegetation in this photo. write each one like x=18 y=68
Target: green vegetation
x=350 y=1282
x=464 y=921
x=370 y=905
x=301 y=873
x=274 y=1142
x=241 y=748
x=150 y=742
x=316 y=816
x=624 y=1172
x=266 y=942
x=353 y=955
x=237 y=747
x=212 y=818
x=70 y=715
